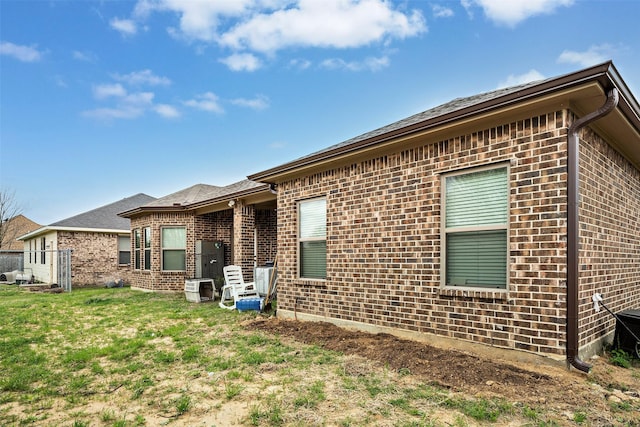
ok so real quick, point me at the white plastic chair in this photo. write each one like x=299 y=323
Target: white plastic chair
x=235 y=288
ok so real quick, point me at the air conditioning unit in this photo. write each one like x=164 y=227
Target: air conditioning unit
x=262 y=275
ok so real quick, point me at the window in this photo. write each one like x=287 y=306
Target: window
x=43 y=253
x=313 y=238
x=30 y=251
x=147 y=248
x=124 y=250
x=475 y=228
x=174 y=243
x=136 y=249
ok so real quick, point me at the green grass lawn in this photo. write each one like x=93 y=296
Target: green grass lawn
x=117 y=357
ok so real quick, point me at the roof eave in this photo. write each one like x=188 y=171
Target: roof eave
x=196 y=205
x=605 y=74
x=148 y=209
x=237 y=195
x=49 y=229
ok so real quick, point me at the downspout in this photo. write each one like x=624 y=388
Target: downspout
x=573 y=234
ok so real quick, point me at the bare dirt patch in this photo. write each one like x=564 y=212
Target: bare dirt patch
x=558 y=389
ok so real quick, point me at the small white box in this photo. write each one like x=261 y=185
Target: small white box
x=198 y=290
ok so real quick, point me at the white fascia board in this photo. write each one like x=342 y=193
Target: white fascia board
x=48 y=229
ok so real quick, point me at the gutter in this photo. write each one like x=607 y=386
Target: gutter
x=573 y=234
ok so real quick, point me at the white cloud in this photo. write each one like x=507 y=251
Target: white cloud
x=242 y=62
x=371 y=64
x=139 y=98
x=441 y=11
x=128 y=105
x=109 y=90
x=84 y=56
x=270 y=25
x=277 y=145
x=511 y=13
x=126 y=27
x=142 y=77
x=324 y=24
x=198 y=19
x=260 y=102
x=60 y=82
x=21 y=53
x=592 y=56
x=513 y=80
x=301 y=64
x=167 y=111
x=123 y=112
x=207 y=101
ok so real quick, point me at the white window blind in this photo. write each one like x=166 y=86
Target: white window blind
x=124 y=250
x=476 y=219
x=477 y=199
x=174 y=243
x=312 y=237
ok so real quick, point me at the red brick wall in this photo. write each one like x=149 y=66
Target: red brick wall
x=609 y=235
x=156 y=279
x=211 y=226
x=94 y=259
x=383 y=231
x=266 y=224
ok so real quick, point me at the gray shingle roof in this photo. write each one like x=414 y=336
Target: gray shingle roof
x=106 y=217
x=193 y=194
x=200 y=193
x=441 y=110
x=604 y=74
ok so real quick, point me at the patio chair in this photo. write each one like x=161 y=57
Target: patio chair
x=235 y=288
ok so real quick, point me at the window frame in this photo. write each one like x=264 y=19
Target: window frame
x=43 y=251
x=164 y=249
x=121 y=251
x=146 y=248
x=445 y=231
x=137 y=258
x=301 y=240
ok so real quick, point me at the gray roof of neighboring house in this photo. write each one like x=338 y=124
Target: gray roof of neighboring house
x=105 y=217
x=201 y=193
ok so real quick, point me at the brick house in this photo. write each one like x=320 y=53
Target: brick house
x=491 y=220
x=11 y=255
x=167 y=232
x=99 y=240
x=13 y=228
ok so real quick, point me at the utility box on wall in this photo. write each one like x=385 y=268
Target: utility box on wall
x=209 y=259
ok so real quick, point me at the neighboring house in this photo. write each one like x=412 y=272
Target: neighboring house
x=13 y=228
x=490 y=219
x=99 y=240
x=169 y=234
x=11 y=255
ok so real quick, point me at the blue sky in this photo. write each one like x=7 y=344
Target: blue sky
x=100 y=100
